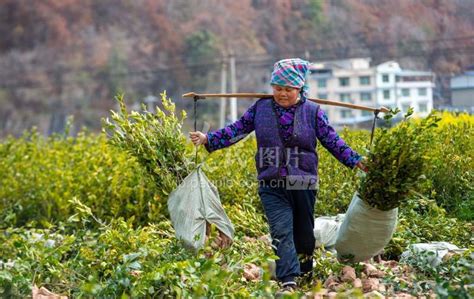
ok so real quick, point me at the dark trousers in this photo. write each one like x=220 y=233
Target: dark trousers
x=290 y=217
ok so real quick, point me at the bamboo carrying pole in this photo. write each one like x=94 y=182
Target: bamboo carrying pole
x=264 y=95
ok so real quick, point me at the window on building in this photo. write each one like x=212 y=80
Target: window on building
x=365 y=96
x=364 y=80
x=367 y=113
x=405 y=92
x=344 y=81
x=322 y=95
x=423 y=107
x=346 y=113
x=405 y=108
x=322 y=83
x=345 y=97
x=386 y=94
x=385 y=78
x=422 y=92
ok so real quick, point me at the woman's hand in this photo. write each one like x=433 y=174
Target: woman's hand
x=198 y=137
x=362 y=167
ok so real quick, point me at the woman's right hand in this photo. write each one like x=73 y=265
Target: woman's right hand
x=198 y=137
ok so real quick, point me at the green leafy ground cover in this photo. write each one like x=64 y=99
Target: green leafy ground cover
x=86 y=216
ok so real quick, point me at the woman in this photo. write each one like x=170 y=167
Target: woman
x=287 y=128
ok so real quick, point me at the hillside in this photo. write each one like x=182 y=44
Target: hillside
x=71 y=57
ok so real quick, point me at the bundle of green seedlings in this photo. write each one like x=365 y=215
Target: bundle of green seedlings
x=396 y=161
x=154 y=139
x=158 y=144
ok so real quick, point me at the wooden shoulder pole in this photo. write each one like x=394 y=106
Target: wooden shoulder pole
x=194 y=95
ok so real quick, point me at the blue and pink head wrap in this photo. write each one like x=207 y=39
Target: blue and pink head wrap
x=291 y=72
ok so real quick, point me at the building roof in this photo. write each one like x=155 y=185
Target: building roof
x=350 y=63
x=414 y=73
x=465 y=74
x=463 y=81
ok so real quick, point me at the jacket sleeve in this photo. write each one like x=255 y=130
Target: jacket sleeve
x=232 y=133
x=333 y=142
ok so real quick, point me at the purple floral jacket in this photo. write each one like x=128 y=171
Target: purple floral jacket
x=325 y=133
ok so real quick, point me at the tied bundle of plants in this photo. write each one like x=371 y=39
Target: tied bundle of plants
x=154 y=139
x=395 y=162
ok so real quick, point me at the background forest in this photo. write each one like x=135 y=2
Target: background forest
x=70 y=57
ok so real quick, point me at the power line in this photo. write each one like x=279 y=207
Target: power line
x=254 y=62
x=374 y=46
x=261 y=57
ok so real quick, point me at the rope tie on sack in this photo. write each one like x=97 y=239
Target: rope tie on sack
x=196 y=98
x=376 y=116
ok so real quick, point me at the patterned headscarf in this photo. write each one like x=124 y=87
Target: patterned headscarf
x=291 y=72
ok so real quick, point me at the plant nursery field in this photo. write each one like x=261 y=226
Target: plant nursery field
x=86 y=215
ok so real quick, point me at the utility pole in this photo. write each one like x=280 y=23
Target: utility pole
x=306 y=54
x=233 y=88
x=222 y=115
x=150 y=102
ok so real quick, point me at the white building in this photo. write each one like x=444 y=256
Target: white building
x=355 y=81
x=462 y=91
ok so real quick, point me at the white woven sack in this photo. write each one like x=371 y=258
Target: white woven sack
x=365 y=231
x=326 y=229
x=193 y=203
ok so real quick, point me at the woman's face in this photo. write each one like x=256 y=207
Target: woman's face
x=285 y=96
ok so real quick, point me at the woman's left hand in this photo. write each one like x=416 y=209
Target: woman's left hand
x=362 y=167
